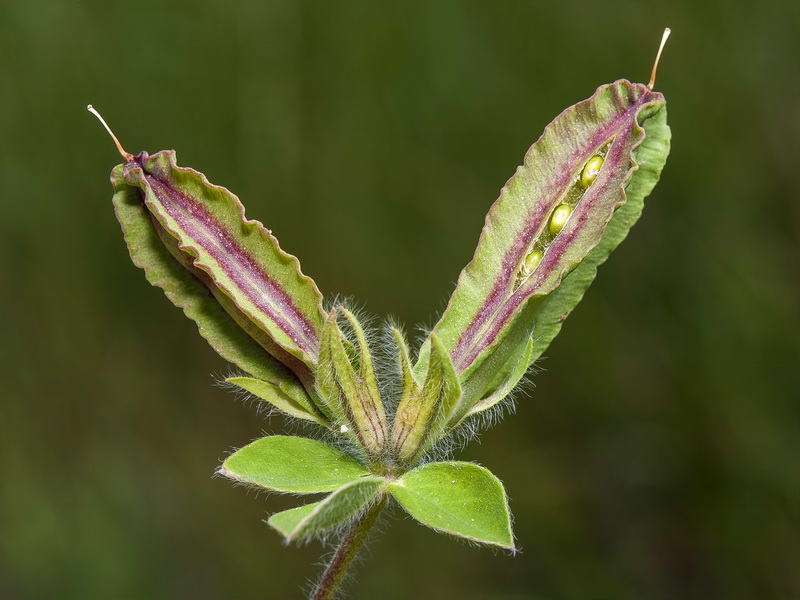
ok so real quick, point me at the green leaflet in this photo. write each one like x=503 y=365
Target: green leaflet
x=186 y=291
x=293 y=465
x=285 y=400
x=425 y=409
x=459 y=498
x=348 y=387
x=285 y=522
x=317 y=517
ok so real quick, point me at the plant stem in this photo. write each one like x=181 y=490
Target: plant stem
x=347 y=550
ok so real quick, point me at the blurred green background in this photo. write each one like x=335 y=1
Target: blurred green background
x=659 y=455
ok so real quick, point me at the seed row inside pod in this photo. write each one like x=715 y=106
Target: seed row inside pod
x=559 y=216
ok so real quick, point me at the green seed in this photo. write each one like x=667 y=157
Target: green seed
x=590 y=171
x=532 y=260
x=559 y=218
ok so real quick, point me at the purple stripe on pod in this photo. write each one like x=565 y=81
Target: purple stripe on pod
x=588 y=219
x=237 y=264
x=213 y=232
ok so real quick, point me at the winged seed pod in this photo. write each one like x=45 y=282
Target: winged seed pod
x=248 y=297
x=579 y=190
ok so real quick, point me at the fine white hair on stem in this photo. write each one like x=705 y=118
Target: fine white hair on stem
x=332 y=537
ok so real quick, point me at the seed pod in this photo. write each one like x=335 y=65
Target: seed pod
x=228 y=273
x=573 y=200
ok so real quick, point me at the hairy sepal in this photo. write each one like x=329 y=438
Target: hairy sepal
x=347 y=385
x=425 y=408
x=498 y=306
x=243 y=265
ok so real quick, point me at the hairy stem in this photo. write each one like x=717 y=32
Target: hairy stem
x=347 y=550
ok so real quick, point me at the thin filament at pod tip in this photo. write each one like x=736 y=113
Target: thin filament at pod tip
x=126 y=155
x=664 y=37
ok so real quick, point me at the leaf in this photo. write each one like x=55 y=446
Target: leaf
x=188 y=292
x=349 y=393
x=276 y=394
x=424 y=409
x=293 y=465
x=459 y=498
x=338 y=507
x=548 y=218
x=241 y=260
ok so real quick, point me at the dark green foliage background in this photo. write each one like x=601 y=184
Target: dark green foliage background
x=657 y=457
